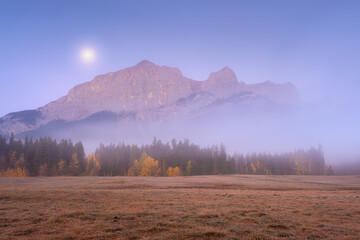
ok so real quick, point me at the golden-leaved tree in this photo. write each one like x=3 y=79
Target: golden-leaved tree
x=135 y=169
x=188 y=168
x=74 y=165
x=62 y=167
x=14 y=172
x=150 y=167
x=299 y=165
x=18 y=169
x=92 y=165
x=145 y=166
x=174 y=172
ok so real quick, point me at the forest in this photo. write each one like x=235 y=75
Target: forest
x=48 y=157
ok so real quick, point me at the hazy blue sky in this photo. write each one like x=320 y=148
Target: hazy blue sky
x=314 y=44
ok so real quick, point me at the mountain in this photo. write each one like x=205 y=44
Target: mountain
x=148 y=93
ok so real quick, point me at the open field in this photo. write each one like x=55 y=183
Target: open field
x=203 y=207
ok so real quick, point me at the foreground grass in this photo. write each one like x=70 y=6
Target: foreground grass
x=209 y=207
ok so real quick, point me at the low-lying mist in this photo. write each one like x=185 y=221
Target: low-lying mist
x=242 y=130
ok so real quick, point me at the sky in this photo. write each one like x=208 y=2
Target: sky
x=313 y=44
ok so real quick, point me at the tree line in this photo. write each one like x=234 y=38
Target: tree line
x=47 y=157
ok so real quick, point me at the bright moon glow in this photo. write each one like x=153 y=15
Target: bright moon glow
x=87 y=55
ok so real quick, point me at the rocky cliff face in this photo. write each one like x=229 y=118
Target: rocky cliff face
x=149 y=92
x=144 y=86
x=222 y=83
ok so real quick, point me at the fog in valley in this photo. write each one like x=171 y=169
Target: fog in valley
x=271 y=129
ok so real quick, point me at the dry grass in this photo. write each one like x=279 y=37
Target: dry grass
x=209 y=207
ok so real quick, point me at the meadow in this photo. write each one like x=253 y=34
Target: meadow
x=201 y=207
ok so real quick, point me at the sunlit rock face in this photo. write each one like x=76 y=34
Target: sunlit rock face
x=144 y=86
x=150 y=92
x=222 y=83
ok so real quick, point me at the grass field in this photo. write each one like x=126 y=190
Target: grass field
x=204 y=207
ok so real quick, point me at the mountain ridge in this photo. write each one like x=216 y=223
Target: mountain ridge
x=151 y=92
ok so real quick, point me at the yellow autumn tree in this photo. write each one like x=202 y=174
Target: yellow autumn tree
x=20 y=162
x=18 y=169
x=253 y=167
x=299 y=165
x=188 y=168
x=135 y=169
x=14 y=172
x=174 y=172
x=62 y=167
x=145 y=166
x=150 y=167
x=92 y=165
x=74 y=164
x=170 y=171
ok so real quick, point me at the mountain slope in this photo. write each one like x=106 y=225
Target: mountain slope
x=150 y=93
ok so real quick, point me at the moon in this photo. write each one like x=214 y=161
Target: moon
x=87 y=55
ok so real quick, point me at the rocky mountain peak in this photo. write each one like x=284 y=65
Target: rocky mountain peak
x=145 y=63
x=223 y=82
x=224 y=76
